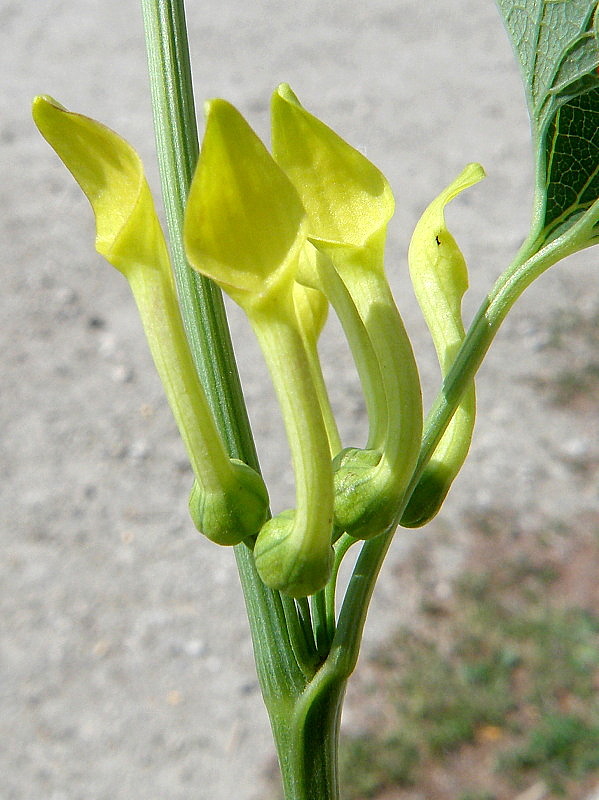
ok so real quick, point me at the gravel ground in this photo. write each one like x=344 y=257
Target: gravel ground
x=126 y=668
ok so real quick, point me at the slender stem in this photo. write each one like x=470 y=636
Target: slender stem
x=352 y=617
x=508 y=288
x=204 y=316
x=305 y=615
x=321 y=627
x=177 y=146
x=323 y=619
x=302 y=644
x=330 y=423
x=342 y=545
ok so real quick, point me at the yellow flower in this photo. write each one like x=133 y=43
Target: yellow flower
x=245 y=227
x=349 y=204
x=440 y=279
x=229 y=501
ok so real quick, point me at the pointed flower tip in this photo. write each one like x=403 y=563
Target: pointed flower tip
x=101 y=161
x=243 y=220
x=347 y=198
x=285 y=92
x=218 y=110
x=222 y=122
x=439 y=273
x=47 y=113
x=43 y=104
x=477 y=169
x=470 y=175
x=110 y=173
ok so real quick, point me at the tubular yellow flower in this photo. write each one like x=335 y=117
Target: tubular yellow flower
x=244 y=223
x=440 y=279
x=330 y=198
x=229 y=501
x=312 y=308
x=245 y=227
x=347 y=199
x=349 y=204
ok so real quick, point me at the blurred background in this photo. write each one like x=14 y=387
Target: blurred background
x=126 y=669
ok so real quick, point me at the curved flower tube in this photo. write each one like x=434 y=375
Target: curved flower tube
x=349 y=203
x=229 y=500
x=317 y=271
x=311 y=307
x=245 y=227
x=440 y=279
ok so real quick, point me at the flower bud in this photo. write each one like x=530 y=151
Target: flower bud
x=229 y=517
x=288 y=563
x=440 y=279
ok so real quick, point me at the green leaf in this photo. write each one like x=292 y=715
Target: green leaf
x=572 y=144
x=555 y=41
x=557 y=45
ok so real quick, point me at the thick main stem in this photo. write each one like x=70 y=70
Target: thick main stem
x=307 y=739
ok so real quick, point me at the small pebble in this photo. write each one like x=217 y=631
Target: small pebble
x=139 y=450
x=122 y=374
x=195 y=648
x=96 y=323
x=575 y=448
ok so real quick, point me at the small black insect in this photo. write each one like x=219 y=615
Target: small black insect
x=437 y=240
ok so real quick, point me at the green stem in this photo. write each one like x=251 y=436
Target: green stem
x=302 y=643
x=305 y=615
x=352 y=617
x=202 y=307
x=205 y=320
x=307 y=737
x=322 y=626
x=307 y=760
x=341 y=548
x=323 y=620
x=523 y=271
x=330 y=423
